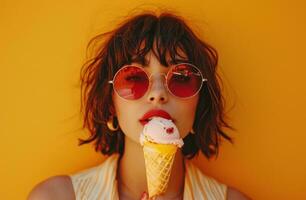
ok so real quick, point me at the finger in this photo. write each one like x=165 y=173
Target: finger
x=144 y=196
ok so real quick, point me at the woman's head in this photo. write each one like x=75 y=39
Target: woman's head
x=156 y=100
x=156 y=44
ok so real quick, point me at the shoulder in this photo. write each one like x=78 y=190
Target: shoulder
x=234 y=194
x=54 y=188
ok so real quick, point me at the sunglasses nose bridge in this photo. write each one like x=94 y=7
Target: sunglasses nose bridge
x=161 y=79
x=158 y=82
x=157 y=91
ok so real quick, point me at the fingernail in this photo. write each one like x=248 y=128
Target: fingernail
x=144 y=195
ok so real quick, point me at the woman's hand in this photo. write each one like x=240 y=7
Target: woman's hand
x=144 y=196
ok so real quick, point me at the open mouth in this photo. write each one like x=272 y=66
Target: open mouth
x=154 y=113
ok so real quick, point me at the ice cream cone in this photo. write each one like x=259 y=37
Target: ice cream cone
x=158 y=160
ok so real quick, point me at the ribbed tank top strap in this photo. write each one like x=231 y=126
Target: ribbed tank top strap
x=97 y=183
x=201 y=187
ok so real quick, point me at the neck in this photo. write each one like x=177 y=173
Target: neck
x=132 y=180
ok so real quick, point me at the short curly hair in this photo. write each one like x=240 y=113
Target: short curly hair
x=131 y=41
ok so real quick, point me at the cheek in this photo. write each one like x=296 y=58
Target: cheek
x=186 y=115
x=126 y=111
x=127 y=117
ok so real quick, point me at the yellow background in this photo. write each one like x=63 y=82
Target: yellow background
x=261 y=44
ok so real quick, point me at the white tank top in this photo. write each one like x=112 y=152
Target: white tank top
x=99 y=183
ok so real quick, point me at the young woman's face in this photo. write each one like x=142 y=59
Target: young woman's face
x=129 y=112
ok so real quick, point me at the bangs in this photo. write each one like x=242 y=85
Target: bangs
x=168 y=37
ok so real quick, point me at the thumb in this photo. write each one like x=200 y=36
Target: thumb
x=144 y=196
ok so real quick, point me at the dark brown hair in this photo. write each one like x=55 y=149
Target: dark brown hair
x=165 y=35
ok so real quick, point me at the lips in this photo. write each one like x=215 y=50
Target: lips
x=154 y=113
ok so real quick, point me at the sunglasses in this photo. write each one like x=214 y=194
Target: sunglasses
x=183 y=80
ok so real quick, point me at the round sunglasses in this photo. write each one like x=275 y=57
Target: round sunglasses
x=183 y=80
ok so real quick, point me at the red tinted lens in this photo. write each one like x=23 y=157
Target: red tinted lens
x=131 y=82
x=184 y=80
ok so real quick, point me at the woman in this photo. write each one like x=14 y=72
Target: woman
x=136 y=74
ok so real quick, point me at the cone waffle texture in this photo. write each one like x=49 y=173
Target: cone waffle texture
x=159 y=160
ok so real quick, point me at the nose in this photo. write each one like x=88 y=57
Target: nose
x=158 y=93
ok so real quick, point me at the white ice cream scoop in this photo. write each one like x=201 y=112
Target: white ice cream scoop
x=162 y=131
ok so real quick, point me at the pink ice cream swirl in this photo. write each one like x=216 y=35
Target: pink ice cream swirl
x=162 y=131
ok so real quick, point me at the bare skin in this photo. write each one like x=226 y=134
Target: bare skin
x=60 y=188
x=131 y=174
x=54 y=188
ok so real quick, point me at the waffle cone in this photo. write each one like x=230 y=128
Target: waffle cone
x=158 y=160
